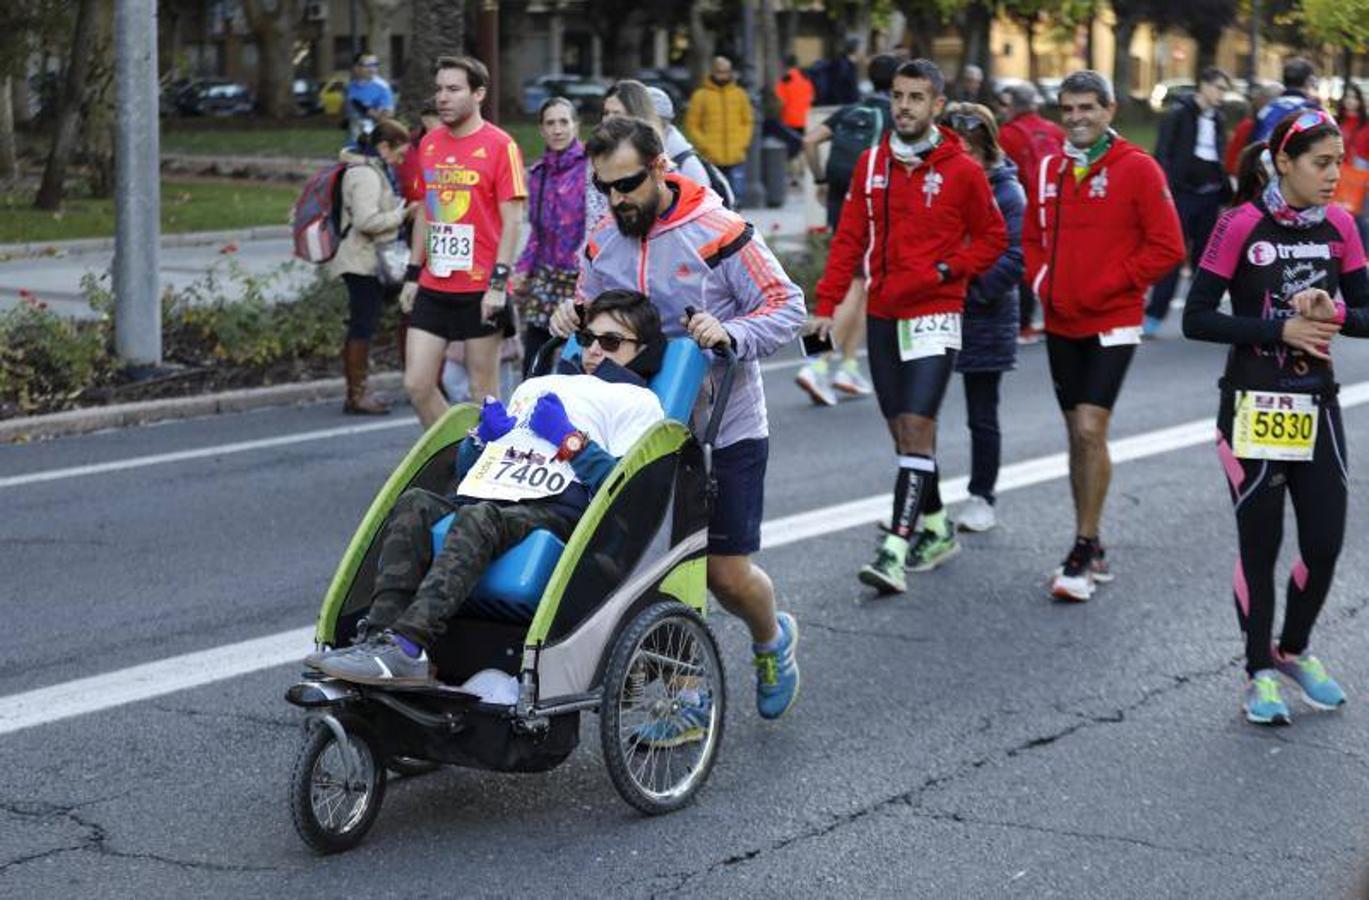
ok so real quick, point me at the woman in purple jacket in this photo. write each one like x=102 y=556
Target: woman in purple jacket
x=545 y=273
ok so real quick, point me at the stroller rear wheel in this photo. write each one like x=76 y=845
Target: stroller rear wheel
x=337 y=787
x=661 y=718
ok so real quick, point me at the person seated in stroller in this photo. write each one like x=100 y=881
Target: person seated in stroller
x=533 y=465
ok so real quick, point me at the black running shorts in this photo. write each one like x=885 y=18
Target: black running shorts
x=905 y=388
x=1084 y=371
x=455 y=317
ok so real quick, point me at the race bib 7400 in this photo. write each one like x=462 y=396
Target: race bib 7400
x=510 y=470
x=1275 y=426
x=928 y=335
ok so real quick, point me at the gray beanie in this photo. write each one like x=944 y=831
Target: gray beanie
x=661 y=101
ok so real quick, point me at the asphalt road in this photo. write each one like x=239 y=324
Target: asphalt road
x=970 y=739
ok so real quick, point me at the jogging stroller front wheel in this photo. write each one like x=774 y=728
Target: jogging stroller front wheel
x=337 y=786
x=661 y=718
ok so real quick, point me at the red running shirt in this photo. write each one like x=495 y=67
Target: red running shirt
x=464 y=181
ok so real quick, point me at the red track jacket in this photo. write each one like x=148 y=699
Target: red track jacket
x=1093 y=247
x=942 y=211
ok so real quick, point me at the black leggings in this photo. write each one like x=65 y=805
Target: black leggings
x=914 y=388
x=364 y=299
x=986 y=441
x=1318 y=489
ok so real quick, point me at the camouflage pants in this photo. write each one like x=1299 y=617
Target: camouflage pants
x=415 y=594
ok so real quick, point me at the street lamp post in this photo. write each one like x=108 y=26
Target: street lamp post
x=137 y=153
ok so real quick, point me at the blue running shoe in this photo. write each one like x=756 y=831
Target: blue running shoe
x=777 y=672
x=1263 y=703
x=1318 y=688
x=685 y=724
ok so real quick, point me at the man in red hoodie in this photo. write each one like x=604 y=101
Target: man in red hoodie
x=1100 y=229
x=921 y=211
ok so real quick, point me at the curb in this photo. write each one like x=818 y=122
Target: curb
x=122 y=415
x=105 y=244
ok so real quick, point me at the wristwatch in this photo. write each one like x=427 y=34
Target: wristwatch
x=944 y=271
x=499 y=278
x=571 y=445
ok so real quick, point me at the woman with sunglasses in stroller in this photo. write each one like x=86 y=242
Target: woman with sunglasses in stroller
x=1295 y=269
x=533 y=465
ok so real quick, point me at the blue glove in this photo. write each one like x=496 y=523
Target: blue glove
x=549 y=420
x=495 y=421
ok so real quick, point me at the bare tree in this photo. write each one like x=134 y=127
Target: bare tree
x=68 y=125
x=438 y=28
x=273 y=24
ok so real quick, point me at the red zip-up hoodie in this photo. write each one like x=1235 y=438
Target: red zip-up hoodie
x=1094 y=246
x=902 y=222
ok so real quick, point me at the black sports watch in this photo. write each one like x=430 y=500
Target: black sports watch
x=944 y=271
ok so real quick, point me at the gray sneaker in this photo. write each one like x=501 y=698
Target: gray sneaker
x=380 y=662
x=976 y=515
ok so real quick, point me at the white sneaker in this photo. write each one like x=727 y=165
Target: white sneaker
x=851 y=382
x=816 y=385
x=976 y=515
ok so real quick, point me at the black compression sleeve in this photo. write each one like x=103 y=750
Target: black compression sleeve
x=1354 y=288
x=1203 y=321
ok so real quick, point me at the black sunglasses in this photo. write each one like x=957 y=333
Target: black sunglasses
x=963 y=122
x=610 y=342
x=622 y=185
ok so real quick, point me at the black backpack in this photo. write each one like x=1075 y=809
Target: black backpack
x=716 y=179
x=857 y=128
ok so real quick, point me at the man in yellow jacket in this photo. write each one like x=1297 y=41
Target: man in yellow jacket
x=719 y=123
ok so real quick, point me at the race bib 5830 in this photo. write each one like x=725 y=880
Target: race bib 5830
x=1275 y=426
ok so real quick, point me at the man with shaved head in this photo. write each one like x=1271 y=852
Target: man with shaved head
x=720 y=123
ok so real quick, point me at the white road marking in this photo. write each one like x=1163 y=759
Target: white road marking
x=158 y=459
x=44 y=706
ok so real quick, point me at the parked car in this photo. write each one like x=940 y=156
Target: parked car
x=674 y=80
x=586 y=93
x=215 y=97
x=1050 y=89
x=307 y=102
x=1170 y=90
x=1002 y=85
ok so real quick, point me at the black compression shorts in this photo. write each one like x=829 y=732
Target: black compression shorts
x=905 y=388
x=455 y=317
x=1084 y=371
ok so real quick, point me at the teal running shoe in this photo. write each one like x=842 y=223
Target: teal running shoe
x=1263 y=703
x=1318 y=688
x=931 y=549
x=687 y=723
x=777 y=672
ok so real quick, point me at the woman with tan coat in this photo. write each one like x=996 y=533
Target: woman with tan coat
x=372 y=215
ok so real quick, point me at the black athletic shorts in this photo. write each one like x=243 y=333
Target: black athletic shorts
x=734 y=524
x=905 y=388
x=1084 y=371
x=455 y=317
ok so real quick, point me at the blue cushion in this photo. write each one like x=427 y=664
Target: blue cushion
x=513 y=584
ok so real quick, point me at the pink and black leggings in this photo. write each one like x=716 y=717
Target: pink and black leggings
x=1318 y=489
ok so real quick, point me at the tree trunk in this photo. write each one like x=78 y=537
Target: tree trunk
x=977 y=22
x=1028 y=26
x=273 y=26
x=1207 y=49
x=700 y=43
x=68 y=120
x=1121 y=60
x=438 y=29
x=97 y=134
x=379 y=15
x=1088 y=42
x=768 y=53
x=9 y=157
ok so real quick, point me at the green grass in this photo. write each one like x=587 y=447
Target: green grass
x=186 y=206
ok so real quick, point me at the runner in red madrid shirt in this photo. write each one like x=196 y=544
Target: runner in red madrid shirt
x=474 y=192
x=1100 y=229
